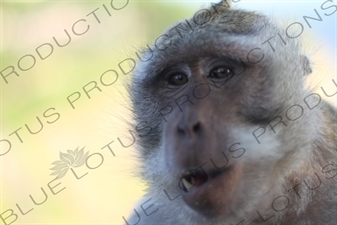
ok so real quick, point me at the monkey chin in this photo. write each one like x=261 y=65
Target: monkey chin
x=213 y=197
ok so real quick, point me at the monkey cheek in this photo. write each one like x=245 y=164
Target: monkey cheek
x=217 y=197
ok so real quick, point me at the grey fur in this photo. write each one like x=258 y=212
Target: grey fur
x=299 y=153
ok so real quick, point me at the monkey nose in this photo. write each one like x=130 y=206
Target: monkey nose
x=189 y=128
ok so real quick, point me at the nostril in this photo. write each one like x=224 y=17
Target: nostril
x=196 y=127
x=193 y=128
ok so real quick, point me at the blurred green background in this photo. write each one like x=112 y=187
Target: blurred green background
x=110 y=191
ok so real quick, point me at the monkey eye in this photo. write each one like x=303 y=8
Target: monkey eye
x=221 y=72
x=177 y=79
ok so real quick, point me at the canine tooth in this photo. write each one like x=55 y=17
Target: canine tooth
x=192 y=180
x=187 y=184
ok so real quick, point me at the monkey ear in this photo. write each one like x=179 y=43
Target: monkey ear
x=306 y=65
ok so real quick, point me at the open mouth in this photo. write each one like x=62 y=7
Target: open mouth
x=195 y=179
x=211 y=192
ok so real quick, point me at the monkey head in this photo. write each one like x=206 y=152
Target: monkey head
x=209 y=98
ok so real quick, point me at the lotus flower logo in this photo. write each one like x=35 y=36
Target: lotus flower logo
x=67 y=161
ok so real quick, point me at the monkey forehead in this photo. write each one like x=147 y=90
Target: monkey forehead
x=229 y=47
x=211 y=24
x=211 y=33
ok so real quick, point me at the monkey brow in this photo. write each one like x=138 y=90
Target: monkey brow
x=157 y=72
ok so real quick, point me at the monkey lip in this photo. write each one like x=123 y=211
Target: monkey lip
x=212 y=192
x=193 y=180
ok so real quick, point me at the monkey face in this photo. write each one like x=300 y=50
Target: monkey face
x=201 y=102
x=201 y=147
x=208 y=109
